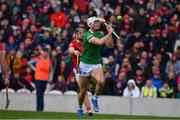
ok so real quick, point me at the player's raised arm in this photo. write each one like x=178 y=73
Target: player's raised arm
x=101 y=41
x=109 y=43
x=106 y=40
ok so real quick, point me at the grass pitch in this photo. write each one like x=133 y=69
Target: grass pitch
x=8 y=114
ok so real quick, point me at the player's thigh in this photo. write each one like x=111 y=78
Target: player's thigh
x=98 y=74
x=83 y=82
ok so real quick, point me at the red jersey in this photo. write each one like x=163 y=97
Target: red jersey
x=60 y=19
x=77 y=45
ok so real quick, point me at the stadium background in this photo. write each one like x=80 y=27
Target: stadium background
x=149 y=48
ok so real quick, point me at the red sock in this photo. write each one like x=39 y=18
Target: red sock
x=88 y=108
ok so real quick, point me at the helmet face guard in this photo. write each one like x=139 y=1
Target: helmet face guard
x=79 y=30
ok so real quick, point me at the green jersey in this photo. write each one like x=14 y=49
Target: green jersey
x=91 y=54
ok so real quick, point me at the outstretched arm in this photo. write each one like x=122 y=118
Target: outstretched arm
x=107 y=39
x=101 y=41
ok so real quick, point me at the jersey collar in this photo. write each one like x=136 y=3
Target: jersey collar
x=91 y=31
x=77 y=40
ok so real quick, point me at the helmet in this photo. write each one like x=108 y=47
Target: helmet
x=91 y=20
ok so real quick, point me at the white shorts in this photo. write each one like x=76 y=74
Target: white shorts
x=86 y=69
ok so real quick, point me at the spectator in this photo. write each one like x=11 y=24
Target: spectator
x=149 y=32
x=178 y=91
x=121 y=82
x=80 y=5
x=28 y=80
x=143 y=63
x=60 y=84
x=177 y=44
x=65 y=69
x=11 y=45
x=46 y=38
x=178 y=53
x=149 y=90
x=59 y=17
x=149 y=8
x=171 y=79
x=140 y=82
x=16 y=82
x=5 y=9
x=156 y=63
x=44 y=17
x=107 y=8
x=31 y=14
x=109 y=84
x=165 y=91
x=98 y=3
x=126 y=65
x=177 y=94
x=19 y=4
x=16 y=17
x=165 y=39
x=56 y=59
x=119 y=52
x=42 y=72
x=25 y=24
x=135 y=53
x=72 y=84
x=156 y=79
x=174 y=64
x=17 y=35
x=131 y=90
x=65 y=40
x=140 y=22
x=124 y=38
x=14 y=61
x=34 y=33
x=113 y=66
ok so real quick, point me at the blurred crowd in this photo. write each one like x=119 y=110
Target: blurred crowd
x=144 y=63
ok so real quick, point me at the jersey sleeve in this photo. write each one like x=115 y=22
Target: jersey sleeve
x=88 y=37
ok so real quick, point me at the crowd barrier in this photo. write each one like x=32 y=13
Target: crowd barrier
x=108 y=104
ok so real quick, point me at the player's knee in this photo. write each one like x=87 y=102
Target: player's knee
x=100 y=82
x=83 y=90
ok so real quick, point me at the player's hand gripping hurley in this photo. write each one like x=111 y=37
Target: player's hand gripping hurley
x=104 y=22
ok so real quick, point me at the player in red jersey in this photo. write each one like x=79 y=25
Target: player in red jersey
x=76 y=49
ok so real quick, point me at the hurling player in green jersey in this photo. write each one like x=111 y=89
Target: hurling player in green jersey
x=90 y=65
